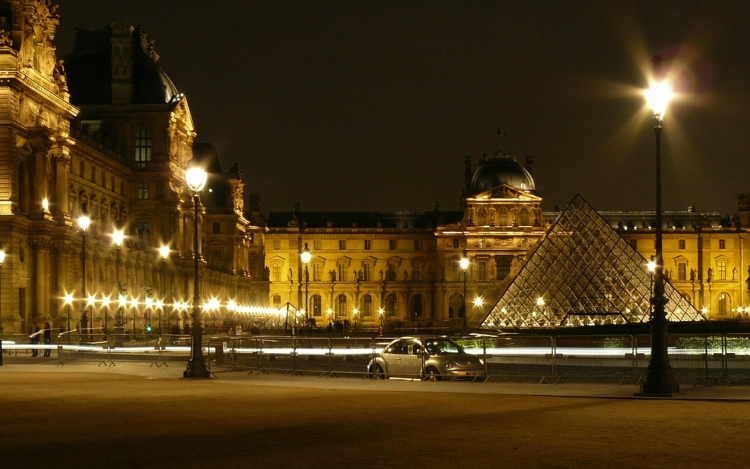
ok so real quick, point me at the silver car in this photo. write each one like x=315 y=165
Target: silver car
x=425 y=357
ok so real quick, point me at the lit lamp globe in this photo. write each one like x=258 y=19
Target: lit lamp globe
x=84 y=222
x=118 y=236
x=464 y=263
x=196 y=179
x=658 y=97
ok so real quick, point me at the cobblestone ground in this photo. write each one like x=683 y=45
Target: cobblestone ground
x=137 y=416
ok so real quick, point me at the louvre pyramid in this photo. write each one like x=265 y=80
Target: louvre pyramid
x=582 y=273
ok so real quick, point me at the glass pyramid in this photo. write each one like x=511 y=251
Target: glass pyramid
x=582 y=273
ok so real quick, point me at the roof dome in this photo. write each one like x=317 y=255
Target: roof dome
x=497 y=170
x=92 y=73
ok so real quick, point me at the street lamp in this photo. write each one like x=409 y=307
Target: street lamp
x=105 y=305
x=305 y=256
x=660 y=378
x=196 y=367
x=83 y=222
x=164 y=253
x=2 y=259
x=464 y=263
x=651 y=266
x=68 y=300
x=118 y=236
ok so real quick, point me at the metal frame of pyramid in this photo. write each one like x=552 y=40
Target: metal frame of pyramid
x=582 y=272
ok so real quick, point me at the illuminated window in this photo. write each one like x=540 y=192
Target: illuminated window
x=417 y=271
x=391 y=305
x=723 y=300
x=367 y=305
x=341 y=305
x=142 y=147
x=315 y=305
x=721 y=270
x=276 y=271
x=682 y=271
x=142 y=191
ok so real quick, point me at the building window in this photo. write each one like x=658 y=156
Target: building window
x=341 y=305
x=252 y=268
x=455 y=271
x=342 y=244
x=367 y=272
x=455 y=306
x=416 y=273
x=142 y=191
x=392 y=272
x=722 y=244
x=317 y=272
x=367 y=306
x=143 y=231
x=276 y=301
x=276 y=271
x=82 y=168
x=368 y=245
x=317 y=245
x=417 y=244
x=142 y=147
x=681 y=243
x=392 y=244
x=342 y=272
x=682 y=271
x=723 y=304
x=216 y=227
x=482 y=270
x=524 y=218
x=416 y=305
x=721 y=270
x=456 y=243
x=391 y=305
x=481 y=217
x=502 y=263
x=502 y=217
x=316 y=306
x=277 y=244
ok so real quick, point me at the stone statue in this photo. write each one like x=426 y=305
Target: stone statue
x=5 y=39
x=58 y=73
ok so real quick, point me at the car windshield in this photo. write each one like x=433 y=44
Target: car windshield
x=442 y=346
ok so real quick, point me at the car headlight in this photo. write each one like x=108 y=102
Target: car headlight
x=449 y=364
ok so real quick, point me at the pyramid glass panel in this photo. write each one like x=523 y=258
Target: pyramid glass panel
x=582 y=273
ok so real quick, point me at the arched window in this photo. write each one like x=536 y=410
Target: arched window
x=417 y=302
x=391 y=305
x=367 y=305
x=456 y=305
x=142 y=147
x=315 y=305
x=524 y=218
x=276 y=300
x=341 y=305
x=723 y=303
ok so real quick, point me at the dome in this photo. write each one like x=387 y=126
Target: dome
x=497 y=170
x=90 y=68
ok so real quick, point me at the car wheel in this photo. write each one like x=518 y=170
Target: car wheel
x=377 y=373
x=432 y=375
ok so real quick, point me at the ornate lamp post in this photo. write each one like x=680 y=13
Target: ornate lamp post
x=2 y=259
x=105 y=306
x=196 y=367
x=83 y=222
x=464 y=263
x=305 y=256
x=68 y=300
x=118 y=237
x=164 y=253
x=660 y=379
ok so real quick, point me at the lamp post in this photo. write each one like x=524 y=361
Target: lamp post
x=196 y=367
x=464 y=263
x=2 y=259
x=83 y=222
x=118 y=237
x=134 y=306
x=660 y=378
x=105 y=307
x=651 y=266
x=68 y=300
x=305 y=256
x=164 y=253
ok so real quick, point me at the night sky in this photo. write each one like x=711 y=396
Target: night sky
x=371 y=105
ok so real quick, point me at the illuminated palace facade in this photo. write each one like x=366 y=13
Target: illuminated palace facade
x=107 y=135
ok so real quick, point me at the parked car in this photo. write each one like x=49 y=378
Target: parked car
x=426 y=357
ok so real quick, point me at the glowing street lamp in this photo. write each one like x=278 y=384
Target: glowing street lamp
x=660 y=378
x=305 y=256
x=67 y=301
x=196 y=368
x=464 y=263
x=83 y=222
x=164 y=253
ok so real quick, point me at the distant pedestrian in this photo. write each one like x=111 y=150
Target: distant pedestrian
x=47 y=339
x=34 y=338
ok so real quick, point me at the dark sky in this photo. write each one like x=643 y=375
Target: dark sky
x=371 y=105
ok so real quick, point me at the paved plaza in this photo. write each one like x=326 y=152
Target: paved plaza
x=137 y=416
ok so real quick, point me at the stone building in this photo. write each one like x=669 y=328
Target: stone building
x=106 y=134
